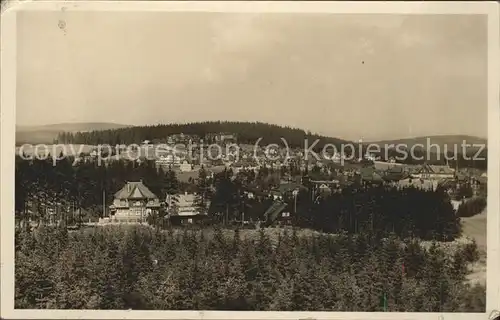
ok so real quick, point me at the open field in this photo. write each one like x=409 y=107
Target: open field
x=475 y=227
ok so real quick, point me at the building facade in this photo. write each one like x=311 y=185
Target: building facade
x=134 y=203
x=182 y=209
x=435 y=172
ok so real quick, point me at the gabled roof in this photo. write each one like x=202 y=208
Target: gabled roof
x=442 y=169
x=437 y=169
x=135 y=190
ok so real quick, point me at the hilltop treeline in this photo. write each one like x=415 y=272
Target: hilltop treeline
x=246 y=132
x=407 y=212
x=139 y=268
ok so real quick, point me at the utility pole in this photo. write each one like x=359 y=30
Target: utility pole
x=295 y=193
x=371 y=218
x=242 y=210
x=103 y=203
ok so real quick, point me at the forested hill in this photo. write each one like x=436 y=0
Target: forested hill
x=247 y=133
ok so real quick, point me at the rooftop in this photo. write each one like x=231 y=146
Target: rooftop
x=135 y=190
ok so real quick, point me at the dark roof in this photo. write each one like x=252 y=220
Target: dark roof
x=274 y=210
x=366 y=171
x=135 y=190
x=441 y=169
x=290 y=187
x=395 y=176
x=447 y=183
x=482 y=180
x=397 y=169
x=438 y=169
x=369 y=174
x=317 y=175
x=381 y=165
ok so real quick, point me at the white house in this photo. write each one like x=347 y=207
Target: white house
x=186 y=167
x=169 y=159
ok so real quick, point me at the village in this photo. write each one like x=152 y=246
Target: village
x=280 y=158
x=249 y=194
x=288 y=174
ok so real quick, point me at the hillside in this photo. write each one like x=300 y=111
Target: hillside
x=247 y=133
x=441 y=140
x=47 y=133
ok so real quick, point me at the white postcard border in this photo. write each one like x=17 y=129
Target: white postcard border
x=7 y=127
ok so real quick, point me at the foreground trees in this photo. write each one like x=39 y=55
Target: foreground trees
x=142 y=268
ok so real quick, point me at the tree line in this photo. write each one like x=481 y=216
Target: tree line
x=146 y=269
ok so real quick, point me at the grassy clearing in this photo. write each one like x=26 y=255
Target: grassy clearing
x=475 y=227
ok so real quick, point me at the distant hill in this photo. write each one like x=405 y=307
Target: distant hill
x=73 y=127
x=450 y=141
x=246 y=132
x=47 y=133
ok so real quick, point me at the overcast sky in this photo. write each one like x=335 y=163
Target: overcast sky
x=350 y=76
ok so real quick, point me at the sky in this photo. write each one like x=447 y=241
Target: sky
x=355 y=77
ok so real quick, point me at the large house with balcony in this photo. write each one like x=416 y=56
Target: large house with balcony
x=133 y=203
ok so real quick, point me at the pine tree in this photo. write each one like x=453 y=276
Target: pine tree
x=203 y=191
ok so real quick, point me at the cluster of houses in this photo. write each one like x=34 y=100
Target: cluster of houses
x=135 y=202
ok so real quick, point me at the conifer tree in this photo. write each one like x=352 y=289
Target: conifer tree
x=203 y=191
